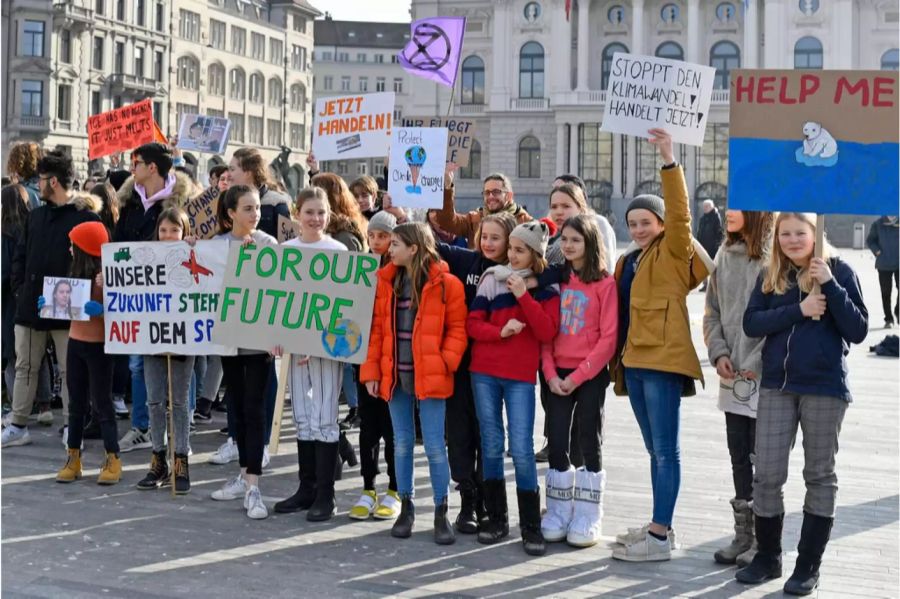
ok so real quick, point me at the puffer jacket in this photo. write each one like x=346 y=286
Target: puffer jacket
x=137 y=224
x=272 y=204
x=438 y=340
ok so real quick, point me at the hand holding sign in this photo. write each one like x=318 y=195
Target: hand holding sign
x=663 y=142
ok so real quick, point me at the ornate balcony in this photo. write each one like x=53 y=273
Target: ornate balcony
x=133 y=83
x=529 y=104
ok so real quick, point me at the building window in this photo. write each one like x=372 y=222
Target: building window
x=33 y=38
x=724 y=56
x=531 y=71
x=670 y=50
x=299 y=23
x=216 y=80
x=141 y=13
x=64 y=102
x=529 y=158
x=160 y=16
x=296 y=133
x=214 y=112
x=616 y=14
x=120 y=10
x=65 y=46
x=809 y=7
x=361 y=57
x=256 y=90
x=99 y=7
x=394 y=59
x=712 y=156
x=398 y=85
x=117 y=102
x=808 y=53
x=345 y=83
x=379 y=58
x=157 y=112
x=398 y=115
x=238 y=40
x=255 y=129
x=274 y=132
x=473 y=170
x=237 y=126
x=258 y=46
x=298 y=58
x=343 y=57
x=158 y=66
x=276 y=92
x=472 y=87
x=670 y=14
x=725 y=12
x=327 y=82
x=183 y=109
x=363 y=84
x=217 y=34
x=326 y=56
x=98 y=53
x=298 y=97
x=236 y=85
x=379 y=84
x=32 y=97
x=647 y=170
x=276 y=51
x=606 y=62
x=595 y=163
x=188 y=73
x=119 y=58
x=139 y=61
x=189 y=25
x=890 y=60
x=96 y=103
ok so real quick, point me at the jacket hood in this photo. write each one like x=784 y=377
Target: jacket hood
x=181 y=193
x=274 y=198
x=338 y=223
x=82 y=200
x=700 y=269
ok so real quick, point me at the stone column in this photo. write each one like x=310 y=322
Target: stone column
x=584 y=9
x=693 y=32
x=573 y=149
x=637 y=27
x=560 y=148
x=561 y=59
x=750 y=59
x=775 y=25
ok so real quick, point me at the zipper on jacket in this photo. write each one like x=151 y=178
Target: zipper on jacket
x=396 y=378
x=787 y=353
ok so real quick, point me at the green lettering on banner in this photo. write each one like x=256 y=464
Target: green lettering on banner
x=336 y=314
x=346 y=276
x=227 y=301
x=365 y=265
x=319 y=302
x=277 y=295
x=259 y=299
x=287 y=311
x=290 y=258
x=243 y=256
x=266 y=252
x=322 y=260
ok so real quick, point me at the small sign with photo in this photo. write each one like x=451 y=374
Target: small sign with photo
x=201 y=133
x=65 y=297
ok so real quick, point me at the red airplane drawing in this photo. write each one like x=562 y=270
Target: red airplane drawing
x=196 y=269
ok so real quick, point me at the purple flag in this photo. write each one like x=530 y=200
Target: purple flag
x=434 y=48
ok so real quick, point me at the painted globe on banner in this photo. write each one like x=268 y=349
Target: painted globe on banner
x=345 y=341
x=415 y=156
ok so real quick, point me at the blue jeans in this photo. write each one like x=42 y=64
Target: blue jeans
x=490 y=394
x=656 y=400
x=403 y=419
x=140 y=415
x=349 y=386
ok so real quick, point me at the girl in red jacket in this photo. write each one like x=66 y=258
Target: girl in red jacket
x=508 y=324
x=417 y=341
x=574 y=364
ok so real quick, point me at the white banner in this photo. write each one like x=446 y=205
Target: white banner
x=356 y=126
x=416 y=169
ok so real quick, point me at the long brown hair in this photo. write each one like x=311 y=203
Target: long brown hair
x=506 y=221
x=251 y=160
x=419 y=235
x=176 y=216
x=229 y=201
x=595 y=266
x=345 y=212
x=756 y=233
x=13 y=208
x=776 y=277
x=109 y=211
x=574 y=192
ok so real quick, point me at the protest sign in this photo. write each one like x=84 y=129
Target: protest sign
x=433 y=49
x=309 y=301
x=416 y=169
x=353 y=126
x=201 y=133
x=287 y=229
x=814 y=141
x=461 y=134
x=201 y=211
x=65 y=298
x=646 y=92
x=121 y=129
x=161 y=297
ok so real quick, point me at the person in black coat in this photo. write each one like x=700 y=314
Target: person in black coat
x=709 y=231
x=884 y=241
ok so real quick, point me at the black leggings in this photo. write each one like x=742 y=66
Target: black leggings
x=89 y=373
x=246 y=377
x=586 y=402
x=375 y=425
x=741 y=433
x=884 y=280
x=463 y=435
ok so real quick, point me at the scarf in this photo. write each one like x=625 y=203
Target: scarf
x=502 y=272
x=162 y=194
x=511 y=208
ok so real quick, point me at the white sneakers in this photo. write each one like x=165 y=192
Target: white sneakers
x=135 y=438
x=119 y=407
x=560 y=493
x=14 y=435
x=254 y=505
x=45 y=418
x=646 y=549
x=636 y=534
x=574 y=507
x=233 y=489
x=265 y=459
x=227 y=452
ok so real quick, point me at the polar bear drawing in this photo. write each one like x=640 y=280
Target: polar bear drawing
x=818 y=142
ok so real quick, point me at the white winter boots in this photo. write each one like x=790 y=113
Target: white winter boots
x=574 y=506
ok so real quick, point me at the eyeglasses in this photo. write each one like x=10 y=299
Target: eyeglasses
x=46 y=178
x=135 y=163
x=496 y=193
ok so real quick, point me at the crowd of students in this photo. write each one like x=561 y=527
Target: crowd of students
x=472 y=312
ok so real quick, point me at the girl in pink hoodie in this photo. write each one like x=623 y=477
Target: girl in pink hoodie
x=574 y=364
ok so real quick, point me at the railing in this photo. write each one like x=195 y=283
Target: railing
x=529 y=104
x=470 y=108
x=32 y=122
x=69 y=10
x=593 y=97
x=133 y=82
x=721 y=96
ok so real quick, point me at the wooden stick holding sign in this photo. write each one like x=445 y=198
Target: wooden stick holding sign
x=283 y=374
x=817 y=253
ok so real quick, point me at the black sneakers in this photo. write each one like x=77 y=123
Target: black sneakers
x=182 y=474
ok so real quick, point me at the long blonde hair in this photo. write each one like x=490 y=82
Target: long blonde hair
x=780 y=266
x=419 y=235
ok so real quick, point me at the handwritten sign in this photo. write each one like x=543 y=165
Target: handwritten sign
x=120 y=129
x=310 y=301
x=201 y=133
x=416 y=169
x=161 y=297
x=646 y=92
x=65 y=298
x=814 y=141
x=201 y=211
x=461 y=134
x=287 y=229
x=353 y=126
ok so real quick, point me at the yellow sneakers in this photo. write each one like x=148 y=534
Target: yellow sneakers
x=72 y=470
x=364 y=506
x=111 y=471
x=389 y=506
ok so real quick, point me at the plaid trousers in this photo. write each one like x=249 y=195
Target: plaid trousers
x=777 y=417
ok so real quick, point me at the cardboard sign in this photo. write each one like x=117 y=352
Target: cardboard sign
x=814 y=141
x=353 y=126
x=416 y=169
x=65 y=298
x=310 y=301
x=646 y=92
x=287 y=229
x=162 y=297
x=121 y=129
x=201 y=133
x=201 y=211
x=461 y=134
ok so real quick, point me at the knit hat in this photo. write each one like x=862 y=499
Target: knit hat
x=89 y=236
x=534 y=234
x=650 y=202
x=383 y=221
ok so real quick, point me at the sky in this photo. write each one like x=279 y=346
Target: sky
x=385 y=11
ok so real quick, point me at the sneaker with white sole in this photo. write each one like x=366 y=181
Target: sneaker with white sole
x=636 y=534
x=14 y=435
x=45 y=418
x=227 y=452
x=7 y=420
x=256 y=509
x=233 y=489
x=265 y=459
x=647 y=549
x=120 y=408
x=135 y=439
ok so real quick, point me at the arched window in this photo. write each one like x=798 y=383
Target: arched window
x=188 y=73
x=606 y=61
x=236 y=84
x=616 y=14
x=725 y=12
x=724 y=56
x=670 y=14
x=670 y=50
x=473 y=171
x=531 y=71
x=216 y=79
x=472 y=89
x=808 y=53
x=809 y=7
x=256 y=88
x=276 y=92
x=890 y=60
x=529 y=158
x=298 y=97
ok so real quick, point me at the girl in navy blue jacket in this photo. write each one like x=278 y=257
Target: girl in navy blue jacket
x=804 y=381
